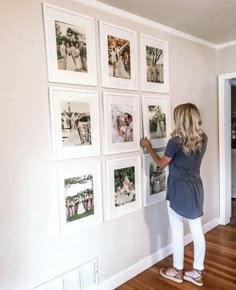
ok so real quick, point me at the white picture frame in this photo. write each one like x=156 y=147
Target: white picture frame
x=154 y=180
x=70 y=46
x=74 y=116
x=118 y=47
x=125 y=136
x=156 y=119
x=154 y=57
x=80 y=196
x=123 y=186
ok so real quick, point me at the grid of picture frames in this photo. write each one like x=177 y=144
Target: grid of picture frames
x=71 y=51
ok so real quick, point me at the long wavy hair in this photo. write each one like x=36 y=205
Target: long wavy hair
x=188 y=123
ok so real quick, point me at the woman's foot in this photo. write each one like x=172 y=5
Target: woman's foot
x=194 y=276
x=172 y=274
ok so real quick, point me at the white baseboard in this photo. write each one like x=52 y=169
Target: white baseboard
x=147 y=262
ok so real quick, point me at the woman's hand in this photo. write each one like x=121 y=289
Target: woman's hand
x=146 y=144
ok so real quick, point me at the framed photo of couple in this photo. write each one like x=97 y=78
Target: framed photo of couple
x=121 y=123
x=154 y=64
x=80 y=196
x=156 y=119
x=118 y=48
x=70 y=46
x=155 y=180
x=123 y=186
x=74 y=123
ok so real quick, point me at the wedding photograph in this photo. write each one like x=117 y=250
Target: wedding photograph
x=74 y=116
x=154 y=180
x=155 y=65
x=119 y=57
x=118 y=47
x=156 y=119
x=124 y=184
x=122 y=123
x=123 y=193
x=71 y=47
x=121 y=126
x=157 y=122
x=157 y=178
x=75 y=123
x=79 y=199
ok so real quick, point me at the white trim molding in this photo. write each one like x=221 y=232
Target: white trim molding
x=227 y=44
x=224 y=105
x=149 y=261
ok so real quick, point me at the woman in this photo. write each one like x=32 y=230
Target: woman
x=118 y=135
x=184 y=153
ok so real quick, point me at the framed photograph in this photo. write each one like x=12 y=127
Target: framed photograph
x=118 y=57
x=155 y=179
x=123 y=187
x=154 y=64
x=156 y=120
x=70 y=46
x=121 y=123
x=74 y=123
x=80 y=196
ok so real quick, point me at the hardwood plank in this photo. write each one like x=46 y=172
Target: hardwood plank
x=220 y=265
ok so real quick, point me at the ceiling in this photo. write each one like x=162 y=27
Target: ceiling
x=210 y=20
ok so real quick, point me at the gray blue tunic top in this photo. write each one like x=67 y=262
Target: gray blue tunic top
x=184 y=184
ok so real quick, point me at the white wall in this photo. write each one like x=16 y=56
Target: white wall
x=32 y=250
x=226 y=60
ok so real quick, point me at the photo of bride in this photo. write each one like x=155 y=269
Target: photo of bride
x=157 y=122
x=122 y=123
x=75 y=123
x=119 y=57
x=124 y=180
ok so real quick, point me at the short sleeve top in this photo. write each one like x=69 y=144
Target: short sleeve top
x=184 y=184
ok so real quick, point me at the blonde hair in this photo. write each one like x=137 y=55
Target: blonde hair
x=188 y=123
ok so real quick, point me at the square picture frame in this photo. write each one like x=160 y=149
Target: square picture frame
x=74 y=117
x=154 y=57
x=156 y=119
x=123 y=186
x=80 y=196
x=121 y=122
x=118 y=47
x=70 y=46
x=155 y=180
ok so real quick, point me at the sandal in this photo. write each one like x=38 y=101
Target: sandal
x=191 y=277
x=176 y=275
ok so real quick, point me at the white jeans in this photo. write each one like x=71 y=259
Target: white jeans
x=177 y=229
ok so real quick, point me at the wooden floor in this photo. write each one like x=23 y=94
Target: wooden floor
x=220 y=264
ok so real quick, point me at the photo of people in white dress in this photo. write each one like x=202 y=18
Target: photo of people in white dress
x=119 y=57
x=157 y=122
x=122 y=123
x=157 y=178
x=75 y=123
x=71 y=47
x=79 y=197
x=155 y=65
x=124 y=184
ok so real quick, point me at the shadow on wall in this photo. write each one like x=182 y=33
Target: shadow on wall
x=157 y=220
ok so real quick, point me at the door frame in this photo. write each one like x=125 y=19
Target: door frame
x=224 y=109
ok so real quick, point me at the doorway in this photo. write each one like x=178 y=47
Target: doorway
x=224 y=107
